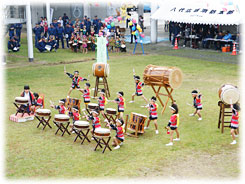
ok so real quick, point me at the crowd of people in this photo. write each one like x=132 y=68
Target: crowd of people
x=201 y=36
x=79 y=35
x=14 y=37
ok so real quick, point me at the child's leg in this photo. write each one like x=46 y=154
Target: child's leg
x=86 y=50
x=121 y=115
x=116 y=141
x=195 y=112
x=145 y=98
x=177 y=132
x=232 y=134
x=236 y=131
x=69 y=92
x=148 y=123
x=133 y=95
x=171 y=135
x=199 y=113
x=155 y=123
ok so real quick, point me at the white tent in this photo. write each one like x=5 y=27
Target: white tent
x=199 y=12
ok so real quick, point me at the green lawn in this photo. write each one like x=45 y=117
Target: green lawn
x=203 y=151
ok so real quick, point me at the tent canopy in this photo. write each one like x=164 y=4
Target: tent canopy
x=199 y=12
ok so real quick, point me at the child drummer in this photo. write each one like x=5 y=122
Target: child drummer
x=119 y=138
x=27 y=93
x=86 y=94
x=37 y=102
x=152 y=107
x=75 y=81
x=139 y=86
x=75 y=116
x=120 y=104
x=197 y=104
x=95 y=120
x=61 y=108
x=173 y=124
x=234 y=122
x=102 y=101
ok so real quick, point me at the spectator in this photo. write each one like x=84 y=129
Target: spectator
x=55 y=23
x=95 y=23
x=65 y=19
x=60 y=21
x=45 y=27
x=13 y=45
x=11 y=31
x=68 y=31
x=59 y=37
x=217 y=44
x=38 y=30
x=52 y=43
x=171 y=28
x=18 y=28
x=176 y=31
x=166 y=23
x=206 y=43
x=52 y=31
x=41 y=21
x=141 y=22
x=99 y=26
x=41 y=45
x=88 y=26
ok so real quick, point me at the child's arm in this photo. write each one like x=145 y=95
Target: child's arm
x=113 y=127
x=69 y=75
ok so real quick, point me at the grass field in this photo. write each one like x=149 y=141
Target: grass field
x=203 y=151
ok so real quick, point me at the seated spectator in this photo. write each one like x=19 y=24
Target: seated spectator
x=206 y=43
x=227 y=36
x=217 y=44
x=41 y=45
x=51 y=44
x=187 y=34
x=13 y=45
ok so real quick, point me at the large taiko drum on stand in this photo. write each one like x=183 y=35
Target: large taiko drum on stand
x=229 y=92
x=163 y=76
x=101 y=69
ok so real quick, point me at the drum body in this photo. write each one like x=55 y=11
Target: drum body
x=102 y=132
x=101 y=69
x=93 y=106
x=61 y=118
x=21 y=100
x=111 y=111
x=43 y=112
x=81 y=125
x=163 y=76
x=229 y=92
x=137 y=119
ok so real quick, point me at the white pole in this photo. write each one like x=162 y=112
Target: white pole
x=153 y=23
x=29 y=32
x=48 y=13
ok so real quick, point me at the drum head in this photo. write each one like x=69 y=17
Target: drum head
x=107 y=70
x=230 y=94
x=175 y=78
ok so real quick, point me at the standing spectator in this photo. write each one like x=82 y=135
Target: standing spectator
x=60 y=33
x=41 y=21
x=55 y=23
x=65 y=19
x=52 y=31
x=128 y=19
x=85 y=19
x=99 y=26
x=166 y=23
x=11 y=31
x=45 y=26
x=88 y=26
x=70 y=23
x=37 y=31
x=141 y=22
x=176 y=31
x=82 y=25
x=60 y=21
x=68 y=31
x=95 y=23
x=171 y=28
x=18 y=28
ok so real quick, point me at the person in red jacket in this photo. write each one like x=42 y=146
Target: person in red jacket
x=75 y=117
x=61 y=108
x=95 y=121
x=27 y=93
x=102 y=101
x=75 y=81
x=173 y=124
x=152 y=108
x=120 y=104
x=86 y=94
x=119 y=138
x=234 y=122
x=37 y=102
x=197 y=104
x=139 y=92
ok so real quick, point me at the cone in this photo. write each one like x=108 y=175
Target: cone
x=176 y=44
x=234 y=50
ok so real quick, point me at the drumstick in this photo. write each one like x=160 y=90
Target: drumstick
x=64 y=68
x=188 y=104
x=52 y=103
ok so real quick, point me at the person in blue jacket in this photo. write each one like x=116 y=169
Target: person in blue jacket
x=65 y=19
x=68 y=32
x=100 y=24
x=41 y=45
x=38 y=32
x=88 y=26
x=60 y=33
x=95 y=23
x=52 y=31
x=12 y=45
x=52 y=43
x=55 y=23
x=176 y=31
x=18 y=28
x=11 y=31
